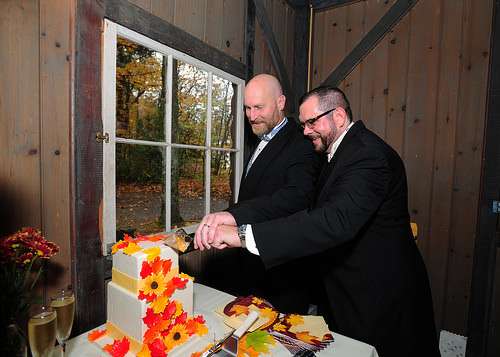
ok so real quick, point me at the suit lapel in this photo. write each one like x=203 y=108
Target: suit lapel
x=267 y=156
x=328 y=173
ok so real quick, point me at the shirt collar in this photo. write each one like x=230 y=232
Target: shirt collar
x=275 y=130
x=335 y=145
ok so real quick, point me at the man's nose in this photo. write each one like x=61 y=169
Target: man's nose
x=252 y=114
x=307 y=130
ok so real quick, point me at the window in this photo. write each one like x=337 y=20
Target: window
x=175 y=136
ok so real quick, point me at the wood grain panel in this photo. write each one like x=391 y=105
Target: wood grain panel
x=334 y=39
x=397 y=84
x=190 y=15
x=145 y=4
x=20 y=194
x=267 y=61
x=164 y=9
x=421 y=111
x=213 y=24
x=469 y=143
x=289 y=43
x=374 y=73
x=317 y=68
x=56 y=54
x=446 y=119
x=355 y=20
x=279 y=25
x=233 y=28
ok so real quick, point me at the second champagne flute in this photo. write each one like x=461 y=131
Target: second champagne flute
x=64 y=304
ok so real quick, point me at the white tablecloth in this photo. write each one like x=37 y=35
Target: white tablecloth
x=206 y=300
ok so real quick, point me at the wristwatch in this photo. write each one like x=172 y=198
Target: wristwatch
x=242 y=230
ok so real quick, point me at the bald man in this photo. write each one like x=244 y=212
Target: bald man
x=278 y=180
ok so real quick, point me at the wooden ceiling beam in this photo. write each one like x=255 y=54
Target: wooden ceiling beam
x=371 y=39
x=274 y=51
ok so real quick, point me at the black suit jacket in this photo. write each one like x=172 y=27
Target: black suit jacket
x=358 y=230
x=280 y=182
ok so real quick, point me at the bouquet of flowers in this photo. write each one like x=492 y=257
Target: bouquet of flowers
x=21 y=262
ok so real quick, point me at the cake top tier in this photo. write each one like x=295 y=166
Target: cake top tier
x=130 y=253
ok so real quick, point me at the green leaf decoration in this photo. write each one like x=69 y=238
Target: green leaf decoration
x=260 y=341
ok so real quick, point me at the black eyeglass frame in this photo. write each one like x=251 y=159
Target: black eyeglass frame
x=310 y=122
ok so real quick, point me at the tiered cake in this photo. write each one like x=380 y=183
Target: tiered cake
x=150 y=305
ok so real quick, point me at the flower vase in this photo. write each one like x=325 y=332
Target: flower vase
x=15 y=343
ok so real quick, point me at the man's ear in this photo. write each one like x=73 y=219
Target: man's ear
x=281 y=102
x=340 y=117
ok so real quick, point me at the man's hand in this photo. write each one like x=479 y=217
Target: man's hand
x=205 y=232
x=226 y=237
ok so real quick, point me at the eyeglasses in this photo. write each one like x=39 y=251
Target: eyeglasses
x=310 y=122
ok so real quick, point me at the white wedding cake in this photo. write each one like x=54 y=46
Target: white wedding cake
x=149 y=303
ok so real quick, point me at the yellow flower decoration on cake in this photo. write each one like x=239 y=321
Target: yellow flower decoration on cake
x=152 y=253
x=131 y=248
x=177 y=335
x=158 y=305
x=153 y=284
x=144 y=352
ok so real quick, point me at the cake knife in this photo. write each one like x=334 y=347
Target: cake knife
x=231 y=345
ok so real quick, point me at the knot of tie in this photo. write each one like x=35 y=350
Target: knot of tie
x=265 y=137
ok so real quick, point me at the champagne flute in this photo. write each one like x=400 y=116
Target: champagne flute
x=64 y=304
x=42 y=331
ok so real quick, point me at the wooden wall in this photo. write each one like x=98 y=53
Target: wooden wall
x=423 y=89
x=36 y=98
x=35 y=110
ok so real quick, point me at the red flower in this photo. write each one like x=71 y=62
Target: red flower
x=157 y=348
x=169 y=311
x=181 y=318
x=151 y=319
x=146 y=269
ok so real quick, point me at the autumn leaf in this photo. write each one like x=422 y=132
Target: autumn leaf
x=239 y=309
x=131 y=249
x=260 y=341
x=295 y=320
x=152 y=253
x=305 y=337
x=95 y=335
x=119 y=348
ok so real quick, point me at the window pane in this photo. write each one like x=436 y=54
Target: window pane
x=140 y=92
x=221 y=180
x=188 y=192
x=189 y=110
x=140 y=189
x=223 y=113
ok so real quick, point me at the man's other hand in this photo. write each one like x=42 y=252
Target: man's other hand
x=205 y=232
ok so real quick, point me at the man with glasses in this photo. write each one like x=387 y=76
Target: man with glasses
x=278 y=180
x=374 y=281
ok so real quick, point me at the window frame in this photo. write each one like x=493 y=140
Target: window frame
x=110 y=34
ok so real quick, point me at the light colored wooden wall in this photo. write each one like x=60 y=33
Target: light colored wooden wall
x=423 y=89
x=35 y=106
x=220 y=23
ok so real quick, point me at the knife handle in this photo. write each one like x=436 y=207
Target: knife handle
x=251 y=318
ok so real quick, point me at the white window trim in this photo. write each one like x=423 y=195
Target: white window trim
x=111 y=32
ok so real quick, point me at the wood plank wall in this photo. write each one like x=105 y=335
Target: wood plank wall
x=423 y=90
x=35 y=116
x=36 y=92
